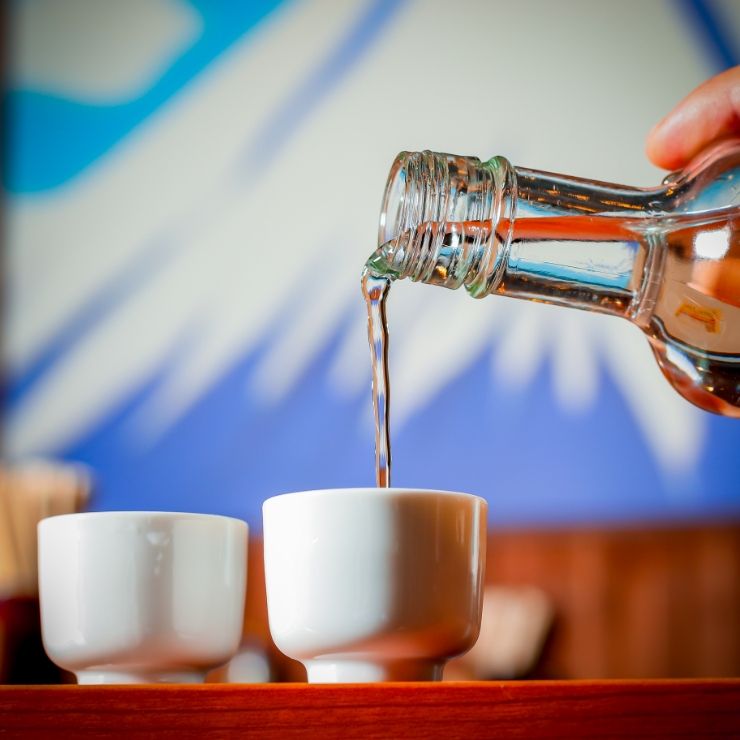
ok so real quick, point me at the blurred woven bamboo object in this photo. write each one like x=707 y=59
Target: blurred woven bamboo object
x=514 y=627
x=30 y=492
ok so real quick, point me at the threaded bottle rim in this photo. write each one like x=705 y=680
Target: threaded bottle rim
x=439 y=216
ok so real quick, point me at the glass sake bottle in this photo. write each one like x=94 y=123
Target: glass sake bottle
x=665 y=258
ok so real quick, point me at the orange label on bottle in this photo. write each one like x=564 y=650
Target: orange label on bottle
x=711 y=318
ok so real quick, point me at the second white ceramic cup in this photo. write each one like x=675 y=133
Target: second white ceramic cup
x=374 y=584
x=141 y=597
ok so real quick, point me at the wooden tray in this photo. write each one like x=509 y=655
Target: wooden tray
x=532 y=709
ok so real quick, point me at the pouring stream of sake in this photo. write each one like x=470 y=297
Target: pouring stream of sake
x=375 y=289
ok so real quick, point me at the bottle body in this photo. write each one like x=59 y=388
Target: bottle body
x=667 y=258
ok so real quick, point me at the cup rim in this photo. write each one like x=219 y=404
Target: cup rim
x=138 y=514
x=372 y=491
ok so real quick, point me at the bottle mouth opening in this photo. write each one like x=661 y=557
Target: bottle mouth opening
x=392 y=214
x=439 y=219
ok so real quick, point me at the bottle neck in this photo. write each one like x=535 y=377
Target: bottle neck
x=580 y=243
x=454 y=221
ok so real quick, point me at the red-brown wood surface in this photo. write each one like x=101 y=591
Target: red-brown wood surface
x=533 y=709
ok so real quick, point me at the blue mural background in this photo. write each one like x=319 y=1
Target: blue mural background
x=536 y=458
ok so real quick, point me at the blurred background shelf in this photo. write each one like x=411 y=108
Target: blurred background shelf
x=534 y=709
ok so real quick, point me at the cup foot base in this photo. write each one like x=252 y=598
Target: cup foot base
x=89 y=678
x=361 y=671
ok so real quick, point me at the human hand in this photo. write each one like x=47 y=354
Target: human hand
x=710 y=112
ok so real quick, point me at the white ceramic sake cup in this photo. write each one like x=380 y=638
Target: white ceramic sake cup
x=141 y=597
x=373 y=584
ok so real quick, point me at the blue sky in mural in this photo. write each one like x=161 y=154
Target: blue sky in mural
x=53 y=139
x=227 y=449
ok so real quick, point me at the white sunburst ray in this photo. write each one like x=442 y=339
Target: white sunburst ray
x=331 y=254
x=145 y=182
x=324 y=298
x=569 y=338
x=534 y=333
x=324 y=295
x=575 y=357
x=674 y=430
x=144 y=329
x=174 y=309
x=522 y=344
x=328 y=299
x=108 y=363
x=89 y=231
x=142 y=332
x=241 y=306
x=259 y=253
x=331 y=124
x=349 y=373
